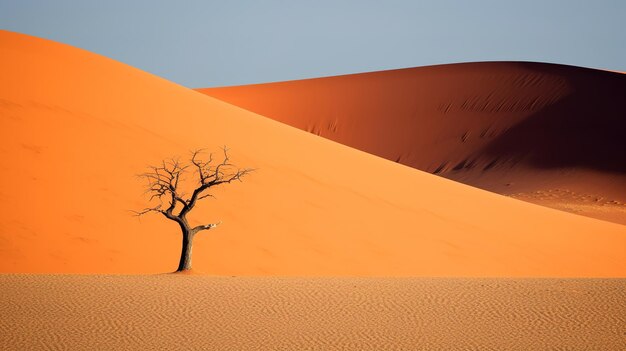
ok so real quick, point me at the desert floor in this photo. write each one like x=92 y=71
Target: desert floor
x=252 y=313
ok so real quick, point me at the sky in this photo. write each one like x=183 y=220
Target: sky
x=219 y=43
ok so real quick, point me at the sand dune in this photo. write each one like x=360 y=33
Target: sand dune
x=77 y=127
x=508 y=127
x=204 y=313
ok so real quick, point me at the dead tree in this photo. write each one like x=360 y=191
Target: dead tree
x=164 y=185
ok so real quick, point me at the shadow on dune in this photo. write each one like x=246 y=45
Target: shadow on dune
x=585 y=129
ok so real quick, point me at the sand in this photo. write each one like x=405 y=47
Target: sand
x=160 y=312
x=580 y=203
x=78 y=127
x=507 y=127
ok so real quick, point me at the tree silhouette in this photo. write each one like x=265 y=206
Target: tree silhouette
x=164 y=184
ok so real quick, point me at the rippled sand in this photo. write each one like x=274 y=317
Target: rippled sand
x=223 y=313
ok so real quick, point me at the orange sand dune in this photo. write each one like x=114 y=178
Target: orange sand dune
x=550 y=134
x=77 y=127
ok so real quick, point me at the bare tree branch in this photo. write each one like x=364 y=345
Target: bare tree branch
x=147 y=210
x=209 y=178
x=203 y=167
x=206 y=226
x=205 y=196
x=163 y=180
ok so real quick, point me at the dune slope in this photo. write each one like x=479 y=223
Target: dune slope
x=77 y=127
x=549 y=134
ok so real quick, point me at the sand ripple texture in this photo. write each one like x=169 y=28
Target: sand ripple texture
x=169 y=312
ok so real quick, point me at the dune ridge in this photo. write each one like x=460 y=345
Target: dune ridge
x=508 y=127
x=78 y=127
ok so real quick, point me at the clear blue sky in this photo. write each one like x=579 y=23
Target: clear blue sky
x=213 y=43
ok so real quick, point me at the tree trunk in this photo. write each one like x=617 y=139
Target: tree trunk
x=185 y=255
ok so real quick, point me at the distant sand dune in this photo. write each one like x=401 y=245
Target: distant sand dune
x=179 y=312
x=508 y=127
